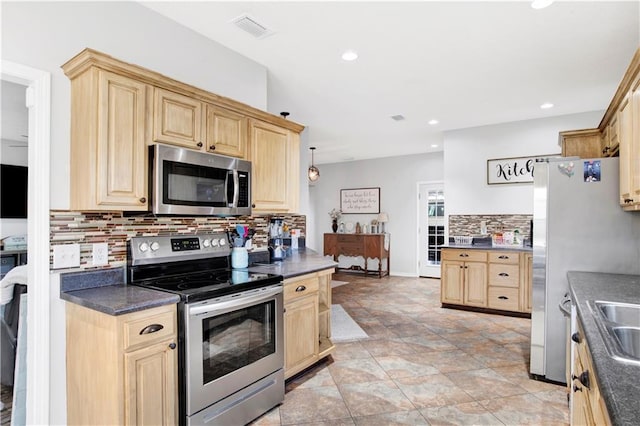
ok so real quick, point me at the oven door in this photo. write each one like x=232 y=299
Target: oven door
x=231 y=342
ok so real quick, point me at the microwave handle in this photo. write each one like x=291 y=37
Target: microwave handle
x=236 y=187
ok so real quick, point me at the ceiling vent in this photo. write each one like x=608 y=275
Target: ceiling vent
x=252 y=26
x=398 y=117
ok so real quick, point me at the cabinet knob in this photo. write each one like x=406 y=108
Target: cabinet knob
x=576 y=337
x=301 y=288
x=199 y=144
x=253 y=206
x=143 y=200
x=212 y=147
x=172 y=345
x=576 y=388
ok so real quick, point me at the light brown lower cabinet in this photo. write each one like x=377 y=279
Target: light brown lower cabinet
x=491 y=279
x=115 y=374
x=587 y=405
x=307 y=320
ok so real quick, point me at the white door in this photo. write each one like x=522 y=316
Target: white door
x=431 y=227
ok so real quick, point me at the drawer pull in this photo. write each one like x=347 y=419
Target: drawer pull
x=503 y=274
x=151 y=328
x=576 y=337
x=172 y=345
x=503 y=297
x=503 y=257
x=301 y=288
x=576 y=388
x=464 y=255
x=583 y=378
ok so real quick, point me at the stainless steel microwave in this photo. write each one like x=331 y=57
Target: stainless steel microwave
x=187 y=182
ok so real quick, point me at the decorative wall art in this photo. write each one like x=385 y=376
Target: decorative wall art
x=512 y=170
x=360 y=200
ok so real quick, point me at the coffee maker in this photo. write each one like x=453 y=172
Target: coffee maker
x=277 y=250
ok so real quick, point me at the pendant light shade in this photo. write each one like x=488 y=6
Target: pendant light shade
x=313 y=172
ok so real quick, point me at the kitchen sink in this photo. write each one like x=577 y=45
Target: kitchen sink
x=619 y=324
x=620 y=313
x=629 y=340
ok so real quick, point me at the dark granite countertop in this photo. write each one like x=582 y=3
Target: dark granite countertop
x=486 y=247
x=299 y=263
x=619 y=381
x=104 y=290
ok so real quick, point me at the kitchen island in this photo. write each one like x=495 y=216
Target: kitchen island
x=482 y=277
x=618 y=381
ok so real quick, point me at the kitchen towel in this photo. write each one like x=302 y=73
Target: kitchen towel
x=343 y=327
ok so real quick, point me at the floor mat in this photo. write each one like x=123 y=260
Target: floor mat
x=343 y=327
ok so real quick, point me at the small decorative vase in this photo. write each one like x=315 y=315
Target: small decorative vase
x=334 y=225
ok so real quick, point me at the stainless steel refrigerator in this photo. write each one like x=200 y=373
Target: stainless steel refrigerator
x=578 y=225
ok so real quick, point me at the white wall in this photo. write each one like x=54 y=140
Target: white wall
x=45 y=35
x=397 y=178
x=465 y=161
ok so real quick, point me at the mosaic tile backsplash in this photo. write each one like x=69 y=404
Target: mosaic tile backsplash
x=464 y=225
x=86 y=228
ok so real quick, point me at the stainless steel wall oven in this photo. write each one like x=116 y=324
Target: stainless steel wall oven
x=231 y=350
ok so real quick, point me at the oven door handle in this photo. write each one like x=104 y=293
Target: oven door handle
x=238 y=303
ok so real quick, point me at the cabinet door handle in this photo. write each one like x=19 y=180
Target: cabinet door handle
x=503 y=274
x=151 y=328
x=628 y=200
x=199 y=144
x=464 y=255
x=503 y=297
x=143 y=200
x=576 y=388
x=172 y=345
x=503 y=257
x=212 y=147
x=301 y=288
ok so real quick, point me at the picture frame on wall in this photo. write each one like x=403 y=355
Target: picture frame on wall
x=360 y=201
x=501 y=171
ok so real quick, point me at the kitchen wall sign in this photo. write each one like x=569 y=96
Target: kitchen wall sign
x=512 y=170
x=360 y=200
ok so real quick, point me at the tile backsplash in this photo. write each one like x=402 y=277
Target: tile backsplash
x=86 y=228
x=464 y=225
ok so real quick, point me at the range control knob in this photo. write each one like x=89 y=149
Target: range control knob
x=214 y=243
x=222 y=242
x=155 y=246
x=206 y=242
x=143 y=247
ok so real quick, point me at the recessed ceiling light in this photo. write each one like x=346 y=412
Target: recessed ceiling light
x=398 y=117
x=541 y=4
x=546 y=105
x=433 y=122
x=434 y=145
x=350 y=55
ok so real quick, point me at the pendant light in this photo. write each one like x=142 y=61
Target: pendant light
x=313 y=172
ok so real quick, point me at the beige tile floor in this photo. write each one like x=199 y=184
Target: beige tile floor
x=422 y=365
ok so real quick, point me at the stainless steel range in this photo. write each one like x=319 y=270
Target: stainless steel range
x=230 y=322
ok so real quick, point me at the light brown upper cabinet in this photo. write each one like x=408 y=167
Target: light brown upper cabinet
x=274 y=154
x=118 y=109
x=226 y=132
x=108 y=155
x=619 y=135
x=177 y=119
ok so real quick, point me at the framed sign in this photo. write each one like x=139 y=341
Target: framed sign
x=360 y=200
x=512 y=170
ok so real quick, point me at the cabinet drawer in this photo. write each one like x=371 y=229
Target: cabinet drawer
x=140 y=330
x=349 y=239
x=464 y=255
x=299 y=288
x=504 y=257
x=505 y=298
x=504 y=275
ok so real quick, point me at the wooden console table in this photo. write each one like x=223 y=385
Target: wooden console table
x=368 y=246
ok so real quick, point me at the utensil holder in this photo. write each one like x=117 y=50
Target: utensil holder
x=239 y=258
